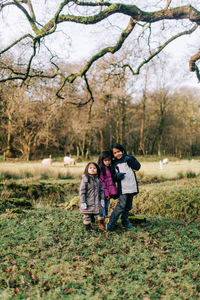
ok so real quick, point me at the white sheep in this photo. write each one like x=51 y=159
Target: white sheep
x=165 y=161
x=69 y=161
x=46 y=162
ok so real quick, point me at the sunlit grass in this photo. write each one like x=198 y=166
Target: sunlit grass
x=172 y=170
x=34 y=170
x=31 y=170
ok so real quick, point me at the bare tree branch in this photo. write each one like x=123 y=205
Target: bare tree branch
x=177 y=13
x=104 y=51
x=160 y=49
x=106 y=9
x=100 y=3
x=193 y=66
x=193 y=60
x=31 y=10
x=30 y=19
x=91 y=99
x=168 y=4
x=16 y=42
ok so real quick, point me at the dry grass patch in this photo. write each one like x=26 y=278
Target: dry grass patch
x=171 y=170
x=34 y=170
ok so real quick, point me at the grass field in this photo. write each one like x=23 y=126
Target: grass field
x=45 y=252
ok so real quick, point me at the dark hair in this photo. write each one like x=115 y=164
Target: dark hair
x=117 y=146
x=86 y=170
x=102 y=156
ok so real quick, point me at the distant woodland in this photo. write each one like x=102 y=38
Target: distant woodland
x=34 y=123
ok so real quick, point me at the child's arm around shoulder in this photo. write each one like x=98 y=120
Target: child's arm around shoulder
x=113 y=172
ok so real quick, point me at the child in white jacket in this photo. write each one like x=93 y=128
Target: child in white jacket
x=123 y=171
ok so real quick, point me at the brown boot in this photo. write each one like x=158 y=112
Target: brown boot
x=102 y=225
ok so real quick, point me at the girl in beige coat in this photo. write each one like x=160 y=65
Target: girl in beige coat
x=91 y=195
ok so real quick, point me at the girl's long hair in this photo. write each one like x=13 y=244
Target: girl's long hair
x=102 y=156
x=86 y=170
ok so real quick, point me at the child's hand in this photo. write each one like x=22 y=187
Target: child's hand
x=120 y=176
x=84 y=206
x=102 y=203
x=127 y=158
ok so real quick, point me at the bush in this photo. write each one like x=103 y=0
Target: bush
x=177 y=200
x=15 y=204
x=65 y=176
x=180 y=175
x=190 y=174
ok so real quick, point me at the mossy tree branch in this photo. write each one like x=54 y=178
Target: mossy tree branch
x=103 y=10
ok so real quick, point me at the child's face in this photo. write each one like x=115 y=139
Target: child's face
x=117 y=153
x=92 y=170
x=107 y=161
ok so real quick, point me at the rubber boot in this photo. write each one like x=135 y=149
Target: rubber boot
x=92 y=219
x=88 y=227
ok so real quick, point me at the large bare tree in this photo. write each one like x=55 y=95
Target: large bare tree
x=139 y=27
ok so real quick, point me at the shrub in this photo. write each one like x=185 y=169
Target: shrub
x=15 y=204
x=44 y=176
x=65 y=176
x=178 y=200
x=190 y=174
x=28 y=174
x=8 y=175
x=180 y=175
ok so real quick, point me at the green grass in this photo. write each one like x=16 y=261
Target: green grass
x=46 y=254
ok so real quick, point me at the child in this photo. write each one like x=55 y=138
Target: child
x=110 y=189
x=123 y=170
x=91 y=195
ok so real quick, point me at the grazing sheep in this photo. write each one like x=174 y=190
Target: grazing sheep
x=46 y=162
x=69 y=161
x=165 y=161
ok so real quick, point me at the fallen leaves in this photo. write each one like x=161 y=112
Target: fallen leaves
x=69 y=291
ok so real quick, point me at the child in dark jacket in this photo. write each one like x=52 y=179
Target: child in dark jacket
x=123 y=171
x=91 y=195
x=110 y=189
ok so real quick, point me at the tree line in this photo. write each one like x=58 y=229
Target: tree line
x=35 y=124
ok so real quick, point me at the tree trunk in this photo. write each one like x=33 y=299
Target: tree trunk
x=123 y=123
x=101 y=139
x=142 y=125
x=141 y=149
x=77 y=151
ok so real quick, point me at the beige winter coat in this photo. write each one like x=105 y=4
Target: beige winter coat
x=91 y=193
